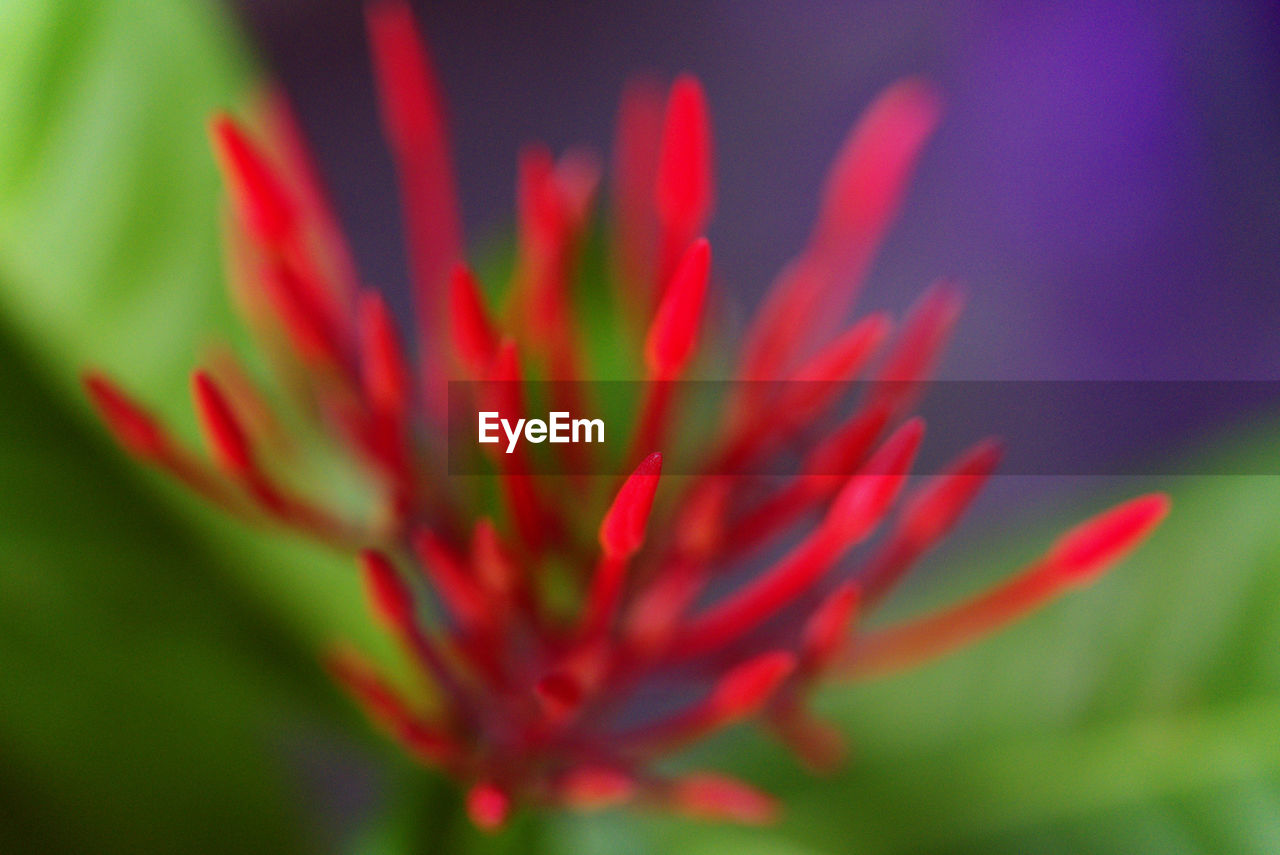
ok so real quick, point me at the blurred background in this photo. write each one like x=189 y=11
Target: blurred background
x=1107 y=183
x=1106 y=180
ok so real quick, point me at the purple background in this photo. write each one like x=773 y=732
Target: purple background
x=1106 y=180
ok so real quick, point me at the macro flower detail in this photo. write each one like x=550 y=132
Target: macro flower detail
x=535 y=696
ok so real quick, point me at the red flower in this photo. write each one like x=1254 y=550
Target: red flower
x=536 y=706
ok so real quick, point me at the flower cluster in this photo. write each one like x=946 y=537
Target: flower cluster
x=568 y=637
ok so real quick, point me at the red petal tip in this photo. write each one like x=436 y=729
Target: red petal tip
x=361 y=681
x=407 y=90
x=862 y=503
x=1089 y=548
x=261 y=196
x=674 y=330
x=722 y=798
x=1077 y=557
x=450 y=577
x=542 y=217
x=388 y=595
x=474 y=337
x=488 y=806
x=386 y=372
x=412 y=111
x=894 y=457
x=925 y=332
x=132 y=427
x=826 y=628
x=577 y=176
x=847 y=447
x=848 y=353
x=871 y=171
x=387 y=708
x=745 y=689
x=938 y=506
x=592 y=787
x=622 y=530
x=684 y=161
x=635 y=168
x=221 y=427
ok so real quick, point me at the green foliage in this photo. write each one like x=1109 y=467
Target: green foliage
x=108 y=212
x=157 y=663
x=110 y=228
x=152 y=674
x=144 y=700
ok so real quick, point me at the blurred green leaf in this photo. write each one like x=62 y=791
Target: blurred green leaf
x=143 y=703
x=149 y=690
x=109 y=234
x=108 y=192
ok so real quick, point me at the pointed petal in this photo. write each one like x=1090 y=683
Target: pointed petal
x=449 y=577
x=927 y=517
x=863 y=502
x=414 y=123
x=293 y=298
x=853 y=515
x=684 y=162
x=744 y=691
x=541 y=216
x=389 y=597
x=474 y=338
x=423 y=739
x=1078 y=557
x=577 y=178
x=934 y=510
x=408 y=91
x=637 y=140
x=845 y=449
x=718 y=797
x=384 y=367
x=595 y=787
x=621 y=534
x=622 y=530
x=768 y=419
x=827 y=628
x=674 y=331
x=1087 y=550
x=488 y=806
x=392 y=603
x=924 y=334
x=860 y=202
x=131 y=425
x=308 y=187
x=222 y=429
x=867 y=180
x=263 y=203
x=845 y=356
